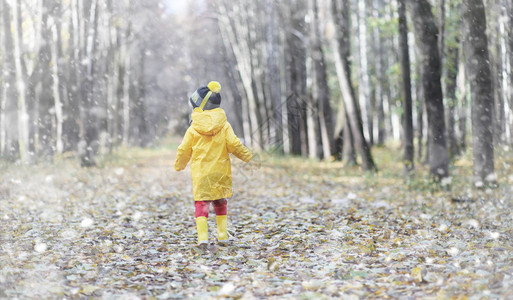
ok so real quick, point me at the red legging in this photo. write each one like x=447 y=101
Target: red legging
x=202 y=207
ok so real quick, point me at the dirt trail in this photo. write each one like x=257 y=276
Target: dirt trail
x=300 y=229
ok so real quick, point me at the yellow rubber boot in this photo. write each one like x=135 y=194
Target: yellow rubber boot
x=222 y=231
x=202 y=226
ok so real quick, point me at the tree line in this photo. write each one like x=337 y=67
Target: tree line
x=331 y=79
x=325 y=79
x=74 y=77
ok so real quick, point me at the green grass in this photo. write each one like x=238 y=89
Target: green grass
x=388 y=159
x=389 y=162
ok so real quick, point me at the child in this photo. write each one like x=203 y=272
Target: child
x=208 y=141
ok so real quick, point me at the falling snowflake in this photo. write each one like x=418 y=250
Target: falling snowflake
x=86 y=222
x=137 y=215
x=494 y=235
x=453 y=251
x=119 y=171
x=40 y=247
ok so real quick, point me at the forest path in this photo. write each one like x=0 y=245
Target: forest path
x=301 y=228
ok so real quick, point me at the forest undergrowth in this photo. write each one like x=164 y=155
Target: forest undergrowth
x=301 y=229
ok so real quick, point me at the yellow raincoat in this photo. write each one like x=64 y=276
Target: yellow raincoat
x=209 y=141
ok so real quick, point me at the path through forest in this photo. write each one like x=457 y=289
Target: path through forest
x=302 y=229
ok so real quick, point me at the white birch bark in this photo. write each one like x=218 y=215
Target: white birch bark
x=235 y=34
x=23 y=133
x=57 y=99
x=3 y=86
x=310 y=113
x=350 y=103
x=126 y=98
x=363 y=90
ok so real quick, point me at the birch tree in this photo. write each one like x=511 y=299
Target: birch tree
x=23 y=120
x=8 y=132
x=510 y=44
x=364 y=86
x=348 y=94
x=320 y=89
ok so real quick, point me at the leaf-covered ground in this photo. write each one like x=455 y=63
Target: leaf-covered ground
x=301 y=229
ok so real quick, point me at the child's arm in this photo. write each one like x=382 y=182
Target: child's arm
x=236 y=147
x=183 y=154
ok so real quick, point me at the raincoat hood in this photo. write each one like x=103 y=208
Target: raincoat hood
x=208 y=143
x=208 y=122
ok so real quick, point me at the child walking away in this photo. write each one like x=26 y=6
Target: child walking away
x=208 y=141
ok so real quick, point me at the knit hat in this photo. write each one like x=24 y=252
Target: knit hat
x=207 y=97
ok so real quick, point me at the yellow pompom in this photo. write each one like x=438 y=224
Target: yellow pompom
x=214 y=86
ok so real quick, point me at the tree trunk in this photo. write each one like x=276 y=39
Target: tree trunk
x=234 y=83
x=419 y=105
x=383 y=78
x=311 y=124
x=426 y=32
x=78 y=101
x=320 y=91
x=248 y=23
x=406 y=85
x=3 y=70
x=60 y=88
x=349 y=152
x=510 y=43
x=441 y=28
x=495 y=40
x=478 y=70
x=90 y=119
x=126 y=90
x=237 y=33
x=72 y=125
x=45 y=143
x=373 y=67
x=23 y=126
x=112 y=77
x=273 y=56
x=8 y=132
x=296 y=79
x=450 y=90
x=341 y=56
x=33 y=80
x=56 y=92
x=140 y=108
x=393 y=89
x=461 y=139
x=502 y=67
x=364 y=85
x=451 y=66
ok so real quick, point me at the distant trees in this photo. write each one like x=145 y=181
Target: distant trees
x=379 y=92
x=323 y=117
x=64 y=79
x=305 y=104
x=354 y=125
x=326 y=79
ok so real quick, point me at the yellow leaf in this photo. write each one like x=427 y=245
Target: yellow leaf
x=416 y=274
x=89 y=289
